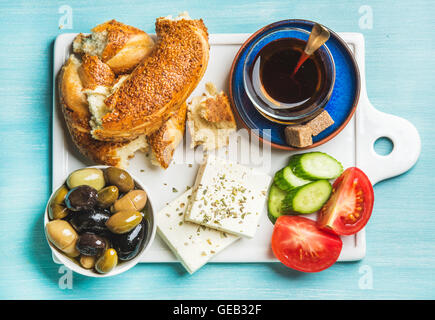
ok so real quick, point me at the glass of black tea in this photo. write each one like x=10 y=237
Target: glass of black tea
x=275 y=91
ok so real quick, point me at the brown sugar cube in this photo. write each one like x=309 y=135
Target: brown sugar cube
x=298 y=136
x=320 y=123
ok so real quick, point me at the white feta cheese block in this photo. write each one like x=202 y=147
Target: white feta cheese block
x=228 y=197
x=193 y=245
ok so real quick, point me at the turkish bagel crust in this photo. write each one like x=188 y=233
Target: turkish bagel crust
x=159 y=84
x=88 y=79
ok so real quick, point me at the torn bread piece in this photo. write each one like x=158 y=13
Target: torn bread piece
x=210 y=119
x=74 y=79
x=98 y=95
x=93 y=73
x=125 y=152
x=181 y=16
x=164 y=141
x=192 y=244
x=118 y=45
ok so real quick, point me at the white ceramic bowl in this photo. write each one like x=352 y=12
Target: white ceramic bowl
x=122 y=266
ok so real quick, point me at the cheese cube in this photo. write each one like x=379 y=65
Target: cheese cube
x=193 y=244
x=228 y=197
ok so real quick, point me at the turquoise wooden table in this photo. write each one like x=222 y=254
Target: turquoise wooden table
x=400 y=261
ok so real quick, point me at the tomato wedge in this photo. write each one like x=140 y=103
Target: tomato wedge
x=301 y=245
x=349 y=208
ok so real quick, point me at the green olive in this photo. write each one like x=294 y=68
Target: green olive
x=107 y=196
x=87 y=262
x=88 y=176
x=59 y=196
x=62 y=235
x=57 y=211
x=120 y=178
x=133 y=200
x=124 y=221
x=107 y=261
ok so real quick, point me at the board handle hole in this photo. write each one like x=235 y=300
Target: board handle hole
x=383 y=146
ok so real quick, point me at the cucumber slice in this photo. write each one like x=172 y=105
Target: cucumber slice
x=308 y=198
x=274 y=202
x=285 y=179
x=315 y=166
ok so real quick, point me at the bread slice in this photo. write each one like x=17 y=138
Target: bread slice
x=210 y=119
x=164 y=141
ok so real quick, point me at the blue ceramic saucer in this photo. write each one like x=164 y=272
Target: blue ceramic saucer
x=341 y=105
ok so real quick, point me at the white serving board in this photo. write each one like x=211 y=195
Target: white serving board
x=353 y=147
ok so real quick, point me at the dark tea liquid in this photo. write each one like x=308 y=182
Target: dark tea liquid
x=273 y=76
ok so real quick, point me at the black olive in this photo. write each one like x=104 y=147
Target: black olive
x=128 y=245
x=69 y=216
x=91 y=221
x=89 y=244
x=81 y=198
